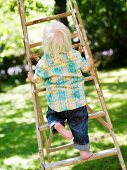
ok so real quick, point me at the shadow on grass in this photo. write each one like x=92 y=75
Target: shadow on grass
x=18 y=139
x=116 y=87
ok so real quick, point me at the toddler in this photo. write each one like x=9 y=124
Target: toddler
x=61 y=68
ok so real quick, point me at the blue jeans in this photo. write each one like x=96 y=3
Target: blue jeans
x=77 y=120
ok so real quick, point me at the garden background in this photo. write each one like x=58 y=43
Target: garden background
x=106 y=26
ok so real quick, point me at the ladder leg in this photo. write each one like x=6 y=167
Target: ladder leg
x=41 y=121
x=100 y=91
x=36 y=110
x=35 y=98
x=116 y=143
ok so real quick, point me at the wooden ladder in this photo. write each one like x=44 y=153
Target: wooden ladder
x=41 y=127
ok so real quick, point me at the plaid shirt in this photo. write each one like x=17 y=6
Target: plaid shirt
x=63 y=80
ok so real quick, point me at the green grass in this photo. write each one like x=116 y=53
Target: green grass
x=18 y=141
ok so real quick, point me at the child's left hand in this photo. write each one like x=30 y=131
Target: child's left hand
x=30 y=76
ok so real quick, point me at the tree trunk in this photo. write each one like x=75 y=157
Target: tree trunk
x=60 y=7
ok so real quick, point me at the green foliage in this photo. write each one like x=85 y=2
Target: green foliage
x=105 y=22
x=11 y=43
x=11 y=38
x=10 y=31
x=18 y=140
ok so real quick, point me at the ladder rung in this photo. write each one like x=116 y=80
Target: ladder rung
x=43 y=127
x=71 y=144
x=58 y=16
x=77 y=160
x=36 y=55
x=77 y=45
x=74 y=35
x=61 y=147
x=91 y=116
x=88 y=78
x=96 y=114
x=40 y=90
x=32 y=45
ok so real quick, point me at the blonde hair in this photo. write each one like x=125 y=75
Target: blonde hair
x=56 y=38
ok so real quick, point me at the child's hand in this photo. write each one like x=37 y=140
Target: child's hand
x=30 y=76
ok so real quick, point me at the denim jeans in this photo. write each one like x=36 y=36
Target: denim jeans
x=77 y=120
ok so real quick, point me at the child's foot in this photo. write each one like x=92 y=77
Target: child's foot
x=63 y=131
x=85 y=155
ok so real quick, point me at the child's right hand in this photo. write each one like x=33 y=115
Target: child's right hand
x=30 y=76
x=90 y=62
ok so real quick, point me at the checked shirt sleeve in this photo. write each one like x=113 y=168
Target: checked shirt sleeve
x=84 y=64
x=38 y=75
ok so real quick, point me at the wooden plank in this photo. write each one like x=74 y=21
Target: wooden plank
x=47 y=144
x=104 y=123
x=58 y=16
x=77 y=160
x=43 y=127
x=76 y=45
x=61 y=147
x=50 y=140
x=91 y=116
x=98 y=138
x=35 y=96
x=80 y=49
x=38 y=55
x=40 y=90
x=88 y=78
x=96 y=115
x=89 y=108
x=36 y=44
x=74 y=35
x=32 y=45
x=71 y=144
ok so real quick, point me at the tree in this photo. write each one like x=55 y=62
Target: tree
x=60 y=7
x=11 y=45
x=105 y=23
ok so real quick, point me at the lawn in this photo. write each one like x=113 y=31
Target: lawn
x=18 y=142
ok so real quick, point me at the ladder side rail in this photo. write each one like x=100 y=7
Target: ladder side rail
x=104 y=123
x=33 y=87
x=75 y=21
x=85 y=52
x=44 y=134
x=98 y=88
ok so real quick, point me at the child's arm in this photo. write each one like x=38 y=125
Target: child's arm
x=33 y=78
x=85 y=64
x=36 y=77
x=89 y=60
